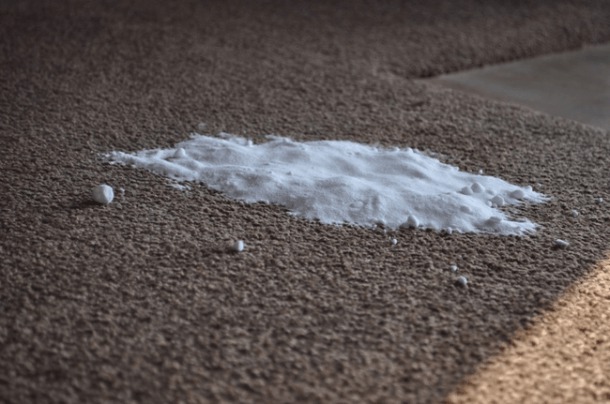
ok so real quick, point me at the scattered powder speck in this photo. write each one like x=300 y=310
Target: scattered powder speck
x=462 y=281
x=180 y=187
x=239 y=246
x=103 y=194
x=340 y=182
x=559 y=243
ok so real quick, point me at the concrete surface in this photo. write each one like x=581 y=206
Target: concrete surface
x=574 y=85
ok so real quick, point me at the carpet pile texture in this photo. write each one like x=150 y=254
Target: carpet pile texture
x=140 y=301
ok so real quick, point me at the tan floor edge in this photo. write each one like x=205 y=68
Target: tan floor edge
x=563 y=358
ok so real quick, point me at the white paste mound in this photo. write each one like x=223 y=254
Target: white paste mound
x=343 y=182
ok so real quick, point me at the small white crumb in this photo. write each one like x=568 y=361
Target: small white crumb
x=599 y=201
x=412 y=221
x=466 y=191
x=517 y=194
x=239 y=246
x=180 y=187
x=454 y=268
x=449 y=230
x=394 y=241
x=465 y=209
x=476 y=187
x=494 y=220
x=462 y=281
x=180 y=153
x=559 y=243
x=103 y=194
x=122 y=191
x=481 y=171
x=497 y=200
x=575 y=213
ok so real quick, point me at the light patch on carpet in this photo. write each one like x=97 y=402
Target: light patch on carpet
x=564 y=357
x=342 y=182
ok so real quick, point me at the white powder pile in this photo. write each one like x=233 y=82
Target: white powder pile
x=343 y=182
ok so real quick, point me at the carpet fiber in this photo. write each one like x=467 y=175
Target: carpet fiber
x=139 y=301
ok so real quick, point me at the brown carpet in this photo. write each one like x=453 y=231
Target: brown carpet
x=138 y=301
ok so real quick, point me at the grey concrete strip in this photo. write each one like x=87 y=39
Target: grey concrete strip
x=574 y=85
